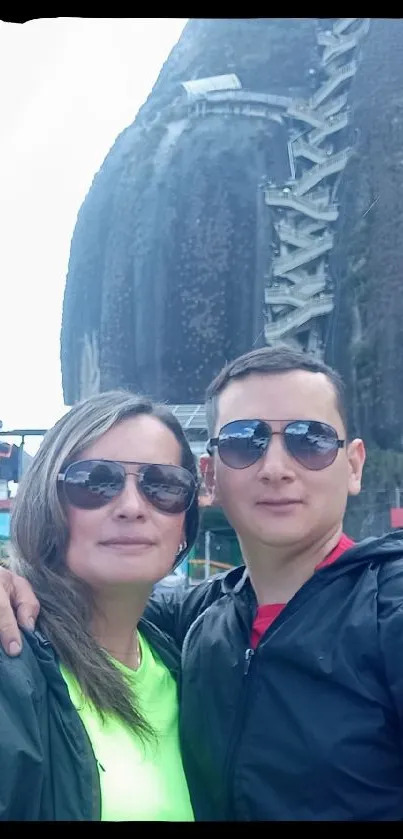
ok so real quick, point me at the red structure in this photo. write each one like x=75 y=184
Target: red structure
x=396 y=517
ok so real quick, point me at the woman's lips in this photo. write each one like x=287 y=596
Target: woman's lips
x=134 y=541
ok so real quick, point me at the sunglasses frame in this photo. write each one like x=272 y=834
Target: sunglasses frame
x=213 y=442
x=61 y=478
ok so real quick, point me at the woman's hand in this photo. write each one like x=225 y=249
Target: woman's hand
x=18 y=605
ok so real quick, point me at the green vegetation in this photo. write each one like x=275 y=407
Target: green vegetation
x=4 y=551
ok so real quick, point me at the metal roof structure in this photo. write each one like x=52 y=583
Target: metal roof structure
x=199 y=87
x=190 y=416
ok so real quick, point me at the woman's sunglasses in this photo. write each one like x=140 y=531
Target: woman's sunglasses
x=241 y=443
x=91 y=484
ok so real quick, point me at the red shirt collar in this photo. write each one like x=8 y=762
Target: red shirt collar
x=343 y=544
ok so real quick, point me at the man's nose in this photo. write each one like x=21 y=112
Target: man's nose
x=130 y=504
x=276 y=464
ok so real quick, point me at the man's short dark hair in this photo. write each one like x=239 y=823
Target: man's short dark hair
x=272 y=360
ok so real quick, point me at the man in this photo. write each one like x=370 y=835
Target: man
x=292 y=673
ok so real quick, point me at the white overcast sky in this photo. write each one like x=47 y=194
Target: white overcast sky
x=68 y=86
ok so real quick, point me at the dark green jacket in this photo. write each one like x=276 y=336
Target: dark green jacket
x=48 y=770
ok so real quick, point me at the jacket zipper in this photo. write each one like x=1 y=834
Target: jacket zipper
x=94 y=763
x=248 y=658
x=96 y=782
x=249 y=655
x=230 y=764
x=229 y=769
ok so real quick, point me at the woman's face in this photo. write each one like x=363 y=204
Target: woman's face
x=127 y=541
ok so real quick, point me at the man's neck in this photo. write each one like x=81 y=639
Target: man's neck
x=115 y=620
x=277 y=573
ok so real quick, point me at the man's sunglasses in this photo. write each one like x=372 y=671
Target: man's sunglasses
x=241 y=443
x=90 y=484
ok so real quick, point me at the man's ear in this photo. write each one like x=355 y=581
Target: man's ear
x=208 y=474
x=356 y=459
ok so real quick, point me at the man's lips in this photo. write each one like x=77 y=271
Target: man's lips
x=278 y=502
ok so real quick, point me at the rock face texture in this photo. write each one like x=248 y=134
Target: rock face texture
x=167 y=265
x=180 y=260
x=366 y=334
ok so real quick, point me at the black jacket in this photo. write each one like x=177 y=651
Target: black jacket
x=48 y=771
x=309 y=726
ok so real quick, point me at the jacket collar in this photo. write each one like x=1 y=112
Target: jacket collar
x=381 y=549
x=49 y=664
x=163 y=645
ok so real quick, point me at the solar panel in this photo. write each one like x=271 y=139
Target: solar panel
x=190 y=416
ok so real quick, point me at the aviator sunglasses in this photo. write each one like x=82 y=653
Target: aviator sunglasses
x=241 y=443
x=91 y=484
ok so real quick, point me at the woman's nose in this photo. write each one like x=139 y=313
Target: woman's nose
x=130 y=503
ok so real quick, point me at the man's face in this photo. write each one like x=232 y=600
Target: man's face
x=314 y=501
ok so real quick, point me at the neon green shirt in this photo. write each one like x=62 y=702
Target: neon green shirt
x=139 y=781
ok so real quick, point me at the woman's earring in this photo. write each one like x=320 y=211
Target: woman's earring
x=182 y=547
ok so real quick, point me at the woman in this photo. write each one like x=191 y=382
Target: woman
x=88 y=711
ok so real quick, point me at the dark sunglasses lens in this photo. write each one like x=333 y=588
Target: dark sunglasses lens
x=313 y=444
x=242 y=442
x=170 y=489
x=89 y=484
